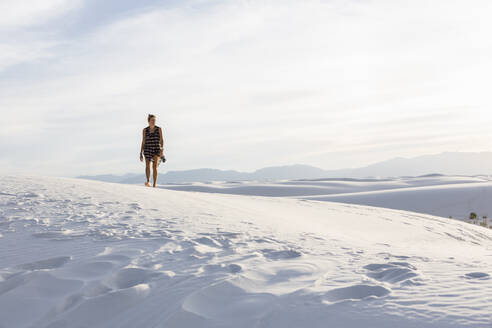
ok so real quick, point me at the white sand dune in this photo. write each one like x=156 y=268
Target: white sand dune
x=77 y=253
x=457 y=201
x=445 y=196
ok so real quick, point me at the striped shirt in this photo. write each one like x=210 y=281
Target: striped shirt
x=152 y=145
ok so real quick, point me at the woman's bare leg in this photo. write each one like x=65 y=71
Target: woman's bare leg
x=147 y=172
x=154 y=166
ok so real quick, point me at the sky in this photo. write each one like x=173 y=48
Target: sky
x=241 y=84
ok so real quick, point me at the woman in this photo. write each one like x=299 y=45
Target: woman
x=152 y=148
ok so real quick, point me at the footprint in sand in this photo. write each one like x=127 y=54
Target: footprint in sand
x=135 y=206
x=28 y=195
x=273 y=254
x=208 y=241
x=129 y=277
x=231 y=268
x=231 y=235
x=392 y=272
x=477 y=275
x=355 y=293
x=119 y=257
x=51 y=263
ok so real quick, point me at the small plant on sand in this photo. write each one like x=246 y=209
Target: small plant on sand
x=473 y=217
x=484 y=221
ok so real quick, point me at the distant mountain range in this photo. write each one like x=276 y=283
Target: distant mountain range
x=445 y=163
x=290 y=172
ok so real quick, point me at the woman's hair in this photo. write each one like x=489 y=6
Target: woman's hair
x=150 y=116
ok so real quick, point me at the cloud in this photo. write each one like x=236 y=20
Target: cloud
x=243 y=84
x=17 y=14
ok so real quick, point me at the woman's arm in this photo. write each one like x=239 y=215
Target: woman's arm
x=161 y=141
x=143 y=144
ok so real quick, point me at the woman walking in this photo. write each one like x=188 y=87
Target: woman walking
x=152 y=148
